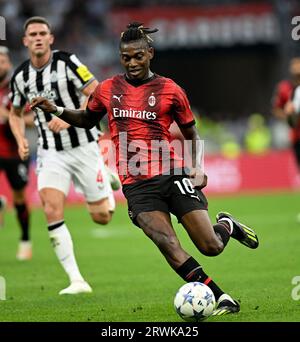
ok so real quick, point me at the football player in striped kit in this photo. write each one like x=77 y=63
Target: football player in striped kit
x=65 y=153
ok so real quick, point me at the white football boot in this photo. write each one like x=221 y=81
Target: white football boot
x=79 y=286
x=24 y=251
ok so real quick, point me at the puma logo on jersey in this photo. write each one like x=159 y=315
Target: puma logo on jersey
x=117 y=97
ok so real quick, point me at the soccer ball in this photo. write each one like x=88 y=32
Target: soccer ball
x=194 y=302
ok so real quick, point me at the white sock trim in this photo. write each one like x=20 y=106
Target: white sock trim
x=229 y=222
x=55 y=222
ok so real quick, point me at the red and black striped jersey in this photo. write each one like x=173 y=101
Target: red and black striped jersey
x=8 y=144
x=283 y=93
x=139 y=117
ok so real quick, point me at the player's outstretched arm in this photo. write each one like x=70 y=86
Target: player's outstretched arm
x=17 y=126
x=75 y=117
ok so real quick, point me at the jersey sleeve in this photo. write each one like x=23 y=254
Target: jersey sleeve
x=78 y=73
x=95 y=103
x=17 y=99
x=281 y=95
x=181 y=109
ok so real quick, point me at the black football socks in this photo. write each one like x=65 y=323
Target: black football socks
x=191 y=271
x=23 y=218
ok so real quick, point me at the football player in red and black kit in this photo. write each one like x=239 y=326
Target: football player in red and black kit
x=15 y=169
x=282 y=101
x=141 y=105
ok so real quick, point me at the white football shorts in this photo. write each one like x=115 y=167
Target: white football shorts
x=83 y=165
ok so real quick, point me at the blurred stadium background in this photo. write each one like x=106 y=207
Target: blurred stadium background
x=228 y=55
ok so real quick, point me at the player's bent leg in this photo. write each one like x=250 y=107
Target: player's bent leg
x=157 y=226
x=198 y=226
x=100 y=211
x=240 y=231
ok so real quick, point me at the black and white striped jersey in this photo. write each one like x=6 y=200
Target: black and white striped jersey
x=61 y=81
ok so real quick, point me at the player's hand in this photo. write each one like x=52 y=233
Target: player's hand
x=56 y=125
x=289 y=109
x=291 y=115
x=44 y=104
x=3 y=113
x=23 y=148
x=198 y=178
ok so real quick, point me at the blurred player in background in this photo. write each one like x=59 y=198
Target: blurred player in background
x=16 y=170
x=143 y=104
x=65 y=153
x=283 y=94
x=291 y=112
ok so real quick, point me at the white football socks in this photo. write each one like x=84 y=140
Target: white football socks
x=63 y=246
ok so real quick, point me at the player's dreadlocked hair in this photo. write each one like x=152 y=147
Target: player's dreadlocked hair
x=136 y=31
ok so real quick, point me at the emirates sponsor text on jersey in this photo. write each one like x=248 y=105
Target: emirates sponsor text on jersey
x=135 y=114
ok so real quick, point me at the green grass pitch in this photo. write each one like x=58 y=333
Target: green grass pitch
x=133 y=283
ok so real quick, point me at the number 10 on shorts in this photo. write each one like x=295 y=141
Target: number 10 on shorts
x=2 y=288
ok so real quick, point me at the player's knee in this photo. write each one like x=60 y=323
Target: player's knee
x=211 y=248
x=19 y=197
x=52 y=211
x=102 y=217
x=100 y=211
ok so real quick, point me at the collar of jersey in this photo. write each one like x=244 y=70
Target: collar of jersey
x=137 y=83
x=44 y=66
